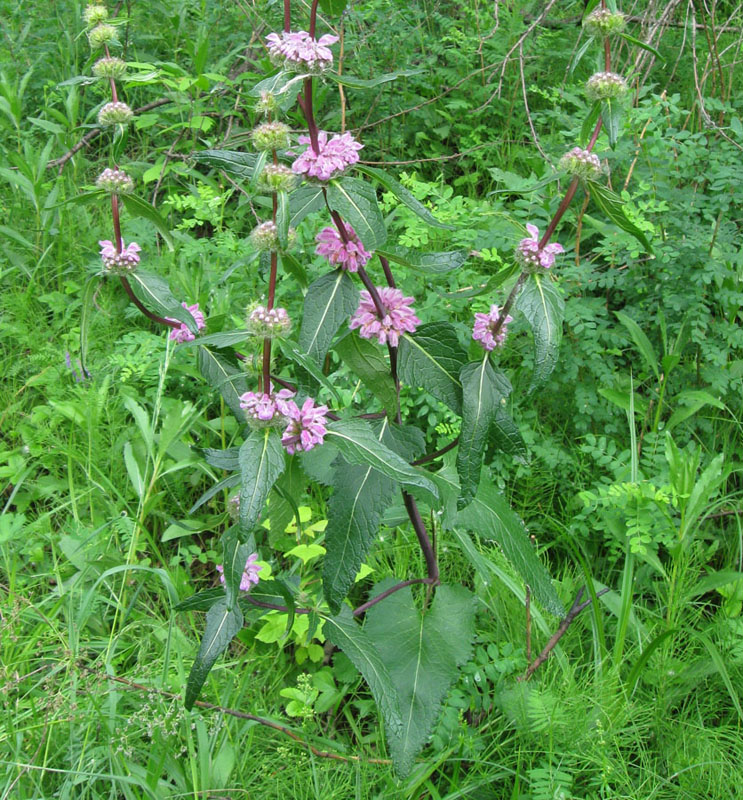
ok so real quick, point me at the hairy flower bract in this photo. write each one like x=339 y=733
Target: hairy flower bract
x=397 y=317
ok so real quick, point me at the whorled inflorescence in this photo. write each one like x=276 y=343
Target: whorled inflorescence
x=603 y=22
x=268 y=323
x=300 y=52
x=266 y=409
x=277 y=178
x=531 y=256
x=94 y=14
x=110 y=67
x=271 y=136
x=397 y=317
x=606 y=86
x=306 y=428
x=349 y=255
x=265 y=237
x=582 y=164
x=101 y=35
x=489 y=330
x=334 y=157
x=115 y=181
x=122 y=262
x=115 y=113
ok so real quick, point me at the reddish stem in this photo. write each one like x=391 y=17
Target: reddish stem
x=563 y=207
x=313 y=18
x=118 y=241
x=287 y=16
x=306 y=106
x=171 y=323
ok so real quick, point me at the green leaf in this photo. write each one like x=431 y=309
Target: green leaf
x=222 y=625
x=612 y=111
x=641 y=340
x=305 y=200
x=405 y=196
x=361 y=83
x=429 y=263
x=226 y=483
x=234 y=557
x=154 y=293
x=285 y=85
x=505 y=436
x=423 y=653
x=482 y=389
x=581 y=52
x=333 y=8
x=227 y=379
x=611 y=205
x=234 y=162
x=221 y=339
x=358 y=444
x=291 y=353
x=201 y=601
x=490 y=516
x=262 y=460
x=693 y=400
x=282 y=506
x=368 y=362
x=260 y=163
x=345 y=633
x=357 y=203
x=641 y=44
x=327 y=305
x=138 y=207
x=295 y=268
x=542 y=305
x=86 y=313
x=282 y=218
x=432 y=358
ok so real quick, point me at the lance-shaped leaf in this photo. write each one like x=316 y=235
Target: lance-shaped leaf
x=368 y=362
x=432 y=358
x=360 y=497
x=221 y=339
x=291 y=353
x=222 y=459
x=285 y=85
x=261 y=462
x=437 y=263
x=333 y=8
x=357 y=203
x=482 y=390
x=505 y=436
x=611 y=204
x=362 y=83
x=234 y=557
x=358 y=444
x=234 y=162
x=612 y=112
x=154 y=293
x=403 y=195
x=227 y=379
x=490 y=516
x=222 y=625
x=282 y=506
x=345 y=633
x=589 y=123
x=542 y=305
x=423 y=653
x=226 y=483
x=282 y=219
x=329 y=302
x=138 y=207
x=303 y=201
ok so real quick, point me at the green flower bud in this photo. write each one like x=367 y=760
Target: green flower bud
x=268 y=324
x=109 y=67
x=603 y=22
x=268 y=104
x=266 y=237
x=101 y=34
x=277 y=178
x=115 y=114
x=94 y=14
x=582 y=164
x=271 y=136
x=606 y=86
x=115 y=181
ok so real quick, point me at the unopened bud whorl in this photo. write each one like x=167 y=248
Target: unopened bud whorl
x=582 y=164
x=101 y=34
x=94 y=14
x=606 y=86
x=277 y=178
x=109 y=67
x=603 y=22
x=115 y=181
x=270 y=136
x=115 y=114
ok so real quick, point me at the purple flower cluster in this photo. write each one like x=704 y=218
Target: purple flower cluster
x=348 y=255
x=396 y=319
x=298 y=50
x=268 y=322
x=336 y=155
x=484 y=329
x=529 y=253
x=266 y=409
x=249 y=577
x=306 y=428
x=125 y=261
x=183 y=334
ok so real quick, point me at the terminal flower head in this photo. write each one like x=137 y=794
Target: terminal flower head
x=348 y=255
x=397 y=317
x=183 y=334
x=334 y=156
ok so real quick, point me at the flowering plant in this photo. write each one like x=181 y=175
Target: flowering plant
x=294 y=423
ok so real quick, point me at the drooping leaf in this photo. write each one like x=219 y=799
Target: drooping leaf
x=429 y=263
x=405 y=196
x=223 y=376
x=369 y=364
x=329 y=302
x=282 y=218
x=505 y=436
x=356 y=201
x=589 y=124
x=482 y=389
x=611 y=204
x=490 y=516
x=543 y=306
x=262 y=460
x=234 y=162
x=639 y=43
x=432 y=358
x=358 y=444
x=581 y=52
x=222 y=625
x=422 y=653
x=362 y=83
x=295 y=268
x=345 y=633
x=86 y=304
x=138 y=207
x=154 y=293
x=260 y=162
x=226 y=483
x=284 y=85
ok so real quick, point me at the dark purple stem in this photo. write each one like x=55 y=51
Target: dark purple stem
x=171 y=323
x=396 y=588
x=387 y=272
x=117 y=223
x=433 y=456
x=420 y=531
x=287 y=16
x=313 y=18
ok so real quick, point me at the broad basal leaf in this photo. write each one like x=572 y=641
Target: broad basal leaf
x=490 y=516
x=483 y=389
x=329 y=302
x=367 y=361
x=222 y=625
x=422 y=653
x=432 y=358
x=358 y=444
x=223 y=376
x=356 y=201
x=542 y=305
x=262 y=460
x=403 y=195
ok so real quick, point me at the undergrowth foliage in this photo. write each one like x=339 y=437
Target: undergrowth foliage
x=297 y=430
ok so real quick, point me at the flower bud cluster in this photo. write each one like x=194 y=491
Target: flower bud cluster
x=116 y=113
x=603 y=22
x=115 y=181
x=268 y=323
x=102 y=34
x=277 y=178
x=271 y=136
x=265 y=237
x=109 y=67
x=582 y=164
x=606 y=86
x=94 y=14
x=267 y=103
